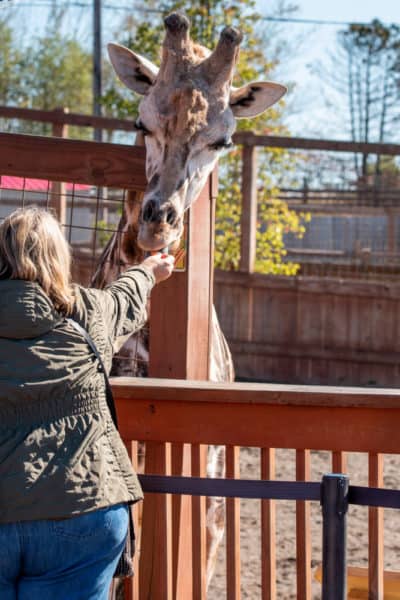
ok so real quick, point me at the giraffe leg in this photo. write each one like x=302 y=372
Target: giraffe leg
x=221 y=369
x=215 y=507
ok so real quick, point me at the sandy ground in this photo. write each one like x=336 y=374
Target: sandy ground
x=286 y=562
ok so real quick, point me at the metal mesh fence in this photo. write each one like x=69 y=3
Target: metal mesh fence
x=90 y=217
x=354 y=227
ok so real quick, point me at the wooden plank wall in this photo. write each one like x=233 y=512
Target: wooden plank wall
x=309 y=330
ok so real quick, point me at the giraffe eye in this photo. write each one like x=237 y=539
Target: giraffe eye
x=220 y=144
x=140 y=127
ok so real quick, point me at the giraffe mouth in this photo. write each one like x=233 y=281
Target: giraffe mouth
x=153 y=237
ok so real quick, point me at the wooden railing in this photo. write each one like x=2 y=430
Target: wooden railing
x=268 y=417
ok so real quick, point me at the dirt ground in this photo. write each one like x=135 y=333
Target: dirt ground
x=286 y=554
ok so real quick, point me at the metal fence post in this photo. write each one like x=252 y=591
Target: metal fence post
x=334 y=500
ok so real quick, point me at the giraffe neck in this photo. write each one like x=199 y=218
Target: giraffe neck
x=122 y=249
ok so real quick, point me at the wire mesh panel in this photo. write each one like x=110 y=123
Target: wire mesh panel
x=346 y=239
x=91 y=223
x=316 y=211
x=353 y=229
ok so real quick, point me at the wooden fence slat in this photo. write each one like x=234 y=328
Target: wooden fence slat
x=240 y=137
x=77 y=161
x=268 y=530
x=199 y=461
x=339 y=462
x=248 y=219
x=137 y=518
x=257 y=424
x=232 y=528
x=58 y=200
x=181 y=532
x=131 y=584
x=155 y=571
x=66 y=118
x=186 y=393
x=303 y=532
x=272 y=141
x=375 y=532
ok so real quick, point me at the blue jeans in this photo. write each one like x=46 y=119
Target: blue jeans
x=69 y=559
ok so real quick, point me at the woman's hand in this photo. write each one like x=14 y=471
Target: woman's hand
x=161 y=265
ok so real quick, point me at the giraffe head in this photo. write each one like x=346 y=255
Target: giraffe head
x=187 y=115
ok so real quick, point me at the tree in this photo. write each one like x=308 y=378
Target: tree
x=275 y=219
x=58 y=73
x=366 y=71
x=11 y=66
x=53 y=71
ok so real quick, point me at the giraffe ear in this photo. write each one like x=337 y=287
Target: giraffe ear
x=135 y=71
x=254 y=98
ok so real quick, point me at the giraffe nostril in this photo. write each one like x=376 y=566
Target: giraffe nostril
x=149 y=211
x=171 y=216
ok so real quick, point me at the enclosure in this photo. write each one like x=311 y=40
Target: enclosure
x=282 y=423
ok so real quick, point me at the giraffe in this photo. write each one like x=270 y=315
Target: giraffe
x=187 y=116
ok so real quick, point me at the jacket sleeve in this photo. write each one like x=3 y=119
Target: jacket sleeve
x=123 y=304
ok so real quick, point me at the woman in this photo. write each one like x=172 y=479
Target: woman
x=65 y=476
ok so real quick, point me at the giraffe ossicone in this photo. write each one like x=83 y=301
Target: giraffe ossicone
x=187 y=114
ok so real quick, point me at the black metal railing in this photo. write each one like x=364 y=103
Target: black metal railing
x=333 y=492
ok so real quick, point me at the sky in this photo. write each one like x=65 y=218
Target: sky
x=307 y=113
x=317 y=41
x=347 y=10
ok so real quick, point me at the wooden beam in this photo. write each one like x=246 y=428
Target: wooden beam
x=303 y=530
x=268 y=530
x=155 y=571
x=242 y=137
x=248 y=138
x=357 y=429
x=58 y=200
x=310 y=285
x=233 y=528
x=248 y=220
x=297 y=350
x=199 y=526
x=375 y=531
x=76 y=119
x=181 y=306
x=183 y=391
x=77 y=161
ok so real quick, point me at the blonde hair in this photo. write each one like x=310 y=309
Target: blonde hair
x=33 y=248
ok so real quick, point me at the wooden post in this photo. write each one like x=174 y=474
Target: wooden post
x=232 y=528
x=375 y=531
x=155 y=572
x=97 y=74
x=268 y=530
x=303 y=530
x=334 y=501
x=199 y=557
x=58 y=199
x=180 y=348
x=248 y=223
x=391 y=216
x=181 y=306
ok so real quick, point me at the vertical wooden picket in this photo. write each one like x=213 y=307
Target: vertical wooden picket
x=303 y=533
x=268 y=530
x=232 y=528
x=375 y=531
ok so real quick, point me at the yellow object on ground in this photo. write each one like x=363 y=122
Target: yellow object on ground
x=357 y=583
